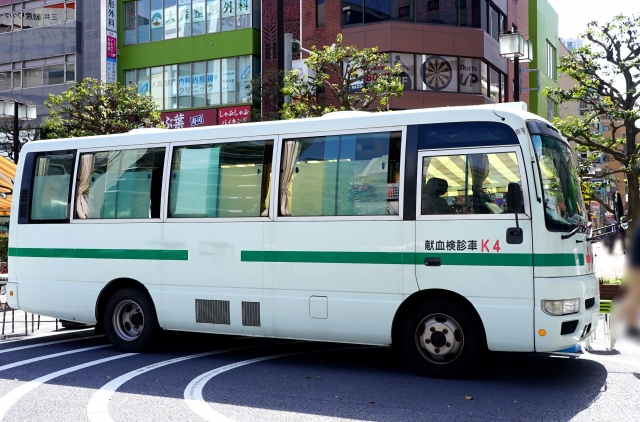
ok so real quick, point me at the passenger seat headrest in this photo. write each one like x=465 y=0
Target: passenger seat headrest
x=436 y=186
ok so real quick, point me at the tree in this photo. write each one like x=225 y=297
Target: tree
x=607 y=80
x=337 y=71
x=27 y=131
x=92 y=107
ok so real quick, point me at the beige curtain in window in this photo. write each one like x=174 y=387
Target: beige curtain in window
x=43 y=166
x=290 y=153
x=82 y=191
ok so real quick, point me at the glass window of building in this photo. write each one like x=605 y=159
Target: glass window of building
x=494 y=88
x=71 y=10
x=198 y=15
x=494 y=21
x=143 y=20
x=352 y=12
x=227 y=14
x=438 y=73
x=484 y=79
x=551 y=60
x=130 y=31
x=32 y=18
x=17 y=79
x=377 y=10
x=437 y=11
x=471 y=12
x=243 y=14
x=32 y=77
x=157 y=86
x=184 y=85
x=53 y=74
x=5 y=81
x=157 y=20
x=6 y=19
x=53 y=14
x=213 y=82
x=402 y=10
x=171 y=87
x=213 y=16
x=469 y=73
x=319 y=13
x=143 y=82
x=170 y=19
x=199 y=84
x=184 y=18
x=228 y=71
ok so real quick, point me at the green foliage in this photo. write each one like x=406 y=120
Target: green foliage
x=612 y=280
x=92 y=107
x=336 y=68
x=607 y=76
x=4 y=247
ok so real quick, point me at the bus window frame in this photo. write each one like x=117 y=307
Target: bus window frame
x=275 y=200
x=32 y=179
x=475 y=150
x=208 y=141
x=94 y=150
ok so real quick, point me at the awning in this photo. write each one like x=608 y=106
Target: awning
x=7 y=173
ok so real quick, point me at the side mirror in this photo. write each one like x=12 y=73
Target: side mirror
x=514 y=205
x=514 y=198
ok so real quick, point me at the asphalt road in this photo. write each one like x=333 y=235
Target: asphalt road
x=77 y=376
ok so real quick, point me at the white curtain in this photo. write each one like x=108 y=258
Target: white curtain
x=43 y=166
x=82 y=191
x=290 y=153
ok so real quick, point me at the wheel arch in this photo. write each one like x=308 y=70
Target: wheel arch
x=421 y=295
x=115 y=285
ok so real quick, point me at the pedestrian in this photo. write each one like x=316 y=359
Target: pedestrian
x=629 y=308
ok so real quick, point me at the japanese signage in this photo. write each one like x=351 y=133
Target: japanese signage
x=198 y=11
x=111 y=42
x=191 y=118
x=228 y=8
x=232 y=115
x=482 y=245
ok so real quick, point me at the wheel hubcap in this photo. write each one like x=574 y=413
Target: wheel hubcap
x=439 y=339
x=128 y=320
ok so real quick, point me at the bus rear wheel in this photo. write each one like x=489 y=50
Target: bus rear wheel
x=443 y=338
x=130 y=320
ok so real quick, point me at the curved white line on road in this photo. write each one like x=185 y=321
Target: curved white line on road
x=16 y=394
x=14 y=349
x=53 y=355
x=193 y=392
x=98 y=408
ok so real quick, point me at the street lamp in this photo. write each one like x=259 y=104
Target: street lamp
x=514 y=46
x=17 y=111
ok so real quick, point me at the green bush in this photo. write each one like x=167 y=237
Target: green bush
x=611 y=280
x=4 y=247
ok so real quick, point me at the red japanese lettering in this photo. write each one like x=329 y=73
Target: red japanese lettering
x=485 y=245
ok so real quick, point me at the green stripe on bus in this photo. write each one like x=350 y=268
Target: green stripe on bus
x=409 y=258
x=146 y=254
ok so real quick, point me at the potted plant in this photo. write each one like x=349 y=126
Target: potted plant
x=609 y=287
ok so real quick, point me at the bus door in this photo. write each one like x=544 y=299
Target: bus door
x=465 y=241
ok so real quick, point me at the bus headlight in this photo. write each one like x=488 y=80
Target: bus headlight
x=561 y=307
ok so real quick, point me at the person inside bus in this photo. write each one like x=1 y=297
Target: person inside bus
x=432 y=200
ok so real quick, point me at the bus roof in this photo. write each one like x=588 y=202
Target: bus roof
x=513 y=114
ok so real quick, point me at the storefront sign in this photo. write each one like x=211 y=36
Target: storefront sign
x=111 y=43
x=191 y=118
x=232 y=115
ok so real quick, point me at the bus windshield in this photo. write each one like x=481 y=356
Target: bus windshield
x=564 y=207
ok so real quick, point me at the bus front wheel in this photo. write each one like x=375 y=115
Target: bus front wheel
x=130 y=320
x=443 y=338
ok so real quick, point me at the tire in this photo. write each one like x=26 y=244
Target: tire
x=456 y=342
x=130 y=320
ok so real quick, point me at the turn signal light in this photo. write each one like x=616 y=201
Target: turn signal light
x=542 y=332
x=11 y=293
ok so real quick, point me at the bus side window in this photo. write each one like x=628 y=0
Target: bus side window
x=221 y=180
x=119 y=184
x=340 y=175
x=468 y=183
x=51 y=186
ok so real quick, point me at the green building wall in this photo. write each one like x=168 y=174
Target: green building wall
x=543 y=28
x=241 y=42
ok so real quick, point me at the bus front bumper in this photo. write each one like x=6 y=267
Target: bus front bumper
x=11 y=290
x=559 y=332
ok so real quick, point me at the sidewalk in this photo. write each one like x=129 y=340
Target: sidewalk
x=15 y=327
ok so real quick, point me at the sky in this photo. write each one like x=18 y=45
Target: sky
x=575 y=14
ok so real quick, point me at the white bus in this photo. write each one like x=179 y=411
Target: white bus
x=444 y=231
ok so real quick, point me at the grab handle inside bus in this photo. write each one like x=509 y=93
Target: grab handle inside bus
x=514 y=205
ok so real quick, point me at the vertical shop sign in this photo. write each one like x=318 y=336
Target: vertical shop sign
x=111 y=42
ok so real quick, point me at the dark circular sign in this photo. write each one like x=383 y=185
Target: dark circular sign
x=436 y=73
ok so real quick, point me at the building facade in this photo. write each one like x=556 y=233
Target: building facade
x=195 y=58
x=543 y=31
x=447 y=49
x=46 y=45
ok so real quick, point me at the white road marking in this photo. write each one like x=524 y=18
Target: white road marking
x=98 y=408
x=53 y=355
x=13 y=349
x=193 y=392
x=16 y=394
